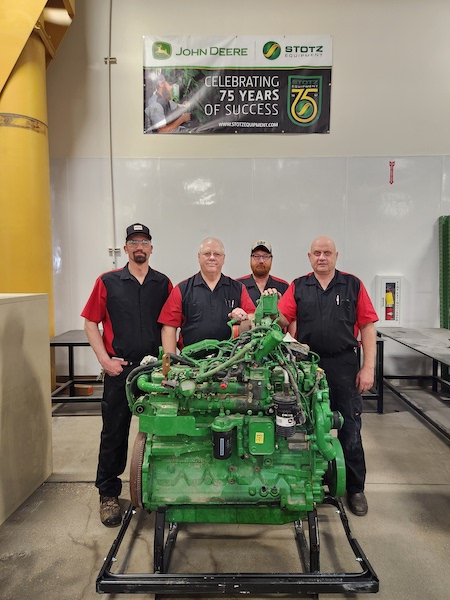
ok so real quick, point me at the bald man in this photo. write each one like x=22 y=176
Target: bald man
x=332 y=308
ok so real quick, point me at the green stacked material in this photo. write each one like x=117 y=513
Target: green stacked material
x=444 y=270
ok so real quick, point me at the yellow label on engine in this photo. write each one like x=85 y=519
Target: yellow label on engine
x=261 y=436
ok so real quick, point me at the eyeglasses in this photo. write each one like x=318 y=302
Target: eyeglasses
x=135 y=243
x=264 y=257
x=212 y=254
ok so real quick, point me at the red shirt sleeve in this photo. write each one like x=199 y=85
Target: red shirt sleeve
x=365 y=312
x=95 y=309
x=171 y=313
x=246 y=301
x=287 y=304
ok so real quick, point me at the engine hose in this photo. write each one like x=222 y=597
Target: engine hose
x=228 y=375
x=245 y=334
x=182 y=360
x=319 y=375
x=240 y=354
x=296 y=393
x=235 y=348
x=132 y=377
x=291 y=355
x=324 y=439
x=250 y=332
x=315 y=358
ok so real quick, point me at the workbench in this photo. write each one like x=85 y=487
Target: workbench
x=72 y=339
x=434 y=343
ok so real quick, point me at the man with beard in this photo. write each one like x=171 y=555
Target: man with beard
x=165 y=115
x=260 y=280
x=203 y=304
x=127 y=302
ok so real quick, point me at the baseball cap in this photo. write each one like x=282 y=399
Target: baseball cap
x=138 y=228
x=261 y=244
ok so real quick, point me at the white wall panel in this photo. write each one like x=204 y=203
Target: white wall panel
x=295 y=201
x=392 y=229
x=83 y=232
x=61 y=250
x=137 y=197
x=379 y=228
x=445 y=199
x=202 y=199
x=286 y=201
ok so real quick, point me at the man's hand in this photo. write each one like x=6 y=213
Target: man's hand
x=364 y=379
x=282 y=321
x=113 y=366
x=239 y=314
x=271 y=291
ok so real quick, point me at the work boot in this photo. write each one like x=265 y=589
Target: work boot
x=357 y=503
x=110 y=513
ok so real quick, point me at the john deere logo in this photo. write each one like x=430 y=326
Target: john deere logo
x=271 y=50
x=304 y=99
x=161 y=50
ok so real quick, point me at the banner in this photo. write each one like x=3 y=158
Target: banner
x=240 y=84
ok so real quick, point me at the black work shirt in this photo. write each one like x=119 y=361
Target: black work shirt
x=202 y=313
x=328 y=320
x=129 y=312
x=253 y=290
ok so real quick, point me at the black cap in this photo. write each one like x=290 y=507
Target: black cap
x=138 y=228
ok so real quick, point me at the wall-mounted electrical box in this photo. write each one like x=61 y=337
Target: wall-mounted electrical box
x=388 y=300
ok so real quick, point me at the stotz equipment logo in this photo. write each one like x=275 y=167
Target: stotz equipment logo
x=161 y=50
x=304 y=99
x=271 y=50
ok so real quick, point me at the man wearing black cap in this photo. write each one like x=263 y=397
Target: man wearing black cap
x=260 y=280
x=127 y=302
x=165 y=115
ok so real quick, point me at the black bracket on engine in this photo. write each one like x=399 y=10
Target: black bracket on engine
x=308 y=583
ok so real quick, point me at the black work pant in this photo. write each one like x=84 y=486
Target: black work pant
x=341 y=374
x=116 y=417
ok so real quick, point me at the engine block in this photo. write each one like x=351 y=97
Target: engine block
x=237 y=431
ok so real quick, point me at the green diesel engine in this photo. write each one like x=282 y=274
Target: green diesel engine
x=237 y=431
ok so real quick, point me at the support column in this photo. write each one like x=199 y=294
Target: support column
x=25 y=218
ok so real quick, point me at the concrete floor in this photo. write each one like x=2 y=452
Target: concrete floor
x=53 y=546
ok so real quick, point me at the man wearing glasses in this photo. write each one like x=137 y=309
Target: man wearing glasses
x=127 y=302
x=260 y=280
x=203 y=304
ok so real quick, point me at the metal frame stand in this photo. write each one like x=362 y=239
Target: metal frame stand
x=415 y=406
x=75 y=338
x=307 y=584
